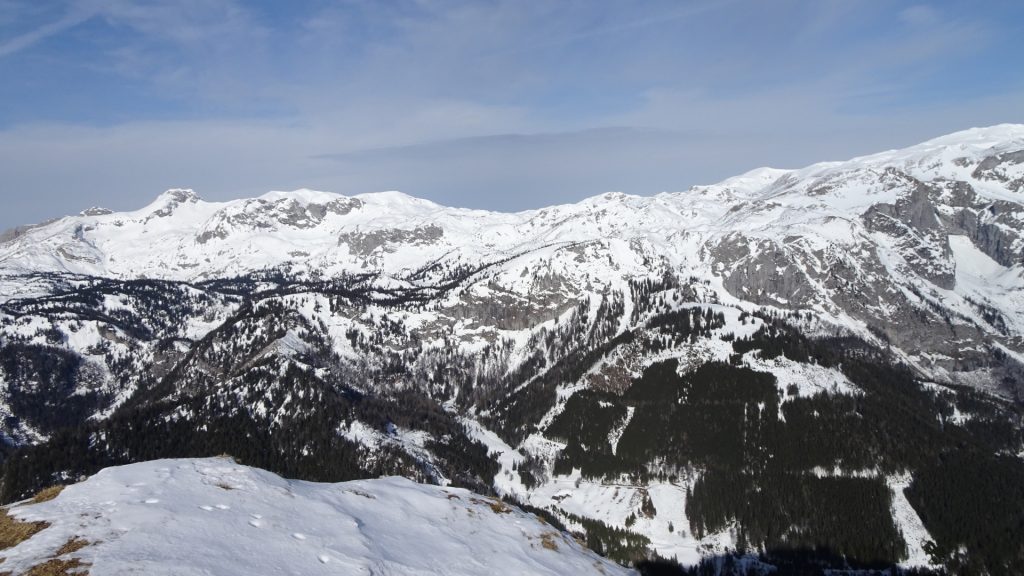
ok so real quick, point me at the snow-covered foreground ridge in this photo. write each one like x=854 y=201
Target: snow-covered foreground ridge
x=213 y=516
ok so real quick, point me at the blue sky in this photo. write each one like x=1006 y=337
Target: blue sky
x=495 y=104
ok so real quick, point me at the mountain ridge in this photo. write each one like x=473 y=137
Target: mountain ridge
x=758 y=184
x=881 y=221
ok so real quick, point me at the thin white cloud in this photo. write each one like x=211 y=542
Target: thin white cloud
x=72 y=18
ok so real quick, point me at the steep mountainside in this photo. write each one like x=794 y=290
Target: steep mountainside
x=824 y=363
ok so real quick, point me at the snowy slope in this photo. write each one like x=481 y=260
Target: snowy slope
x=212 y=516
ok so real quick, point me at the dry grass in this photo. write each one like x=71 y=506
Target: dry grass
x=499 y=507
x=224 y=486
x=14 y=531
x=46 y=494
x=73 y=545
x=547 y=540
x=496 y=506
x=59 y=567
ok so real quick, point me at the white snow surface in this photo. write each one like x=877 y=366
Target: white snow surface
x=212 y=516
x=909 y=523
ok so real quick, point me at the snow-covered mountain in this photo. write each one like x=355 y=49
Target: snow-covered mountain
x=843 y=341
x=212 y=516
x=922 y=246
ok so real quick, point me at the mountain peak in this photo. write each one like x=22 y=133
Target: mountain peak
x=981 y=135
x=755 y=179
x=166 y=203
x=394 y=197
x=96 y=211
x=179 y=195
x=302 y=196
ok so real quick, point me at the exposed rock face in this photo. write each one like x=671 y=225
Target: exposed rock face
x=1003 y=168
x=96 y=211
x=366 y=243
x=914 y=226
x=171 y=199
x=281 y=213
x=764 y=272
x=993 y=225
x=504 y=309
x=993 y=230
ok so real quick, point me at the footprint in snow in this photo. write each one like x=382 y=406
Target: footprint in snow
x=298 y=536
x=324 y=558
x=256 y=516
x=256 y=523
x=152 y=500
x=223 y=507
x=207 y=508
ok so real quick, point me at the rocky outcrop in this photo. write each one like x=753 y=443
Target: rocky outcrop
x=171 y=199
x=366 y=243
x=915 y=228
x=262 y=214
x=763 y=272
x=1000 y=168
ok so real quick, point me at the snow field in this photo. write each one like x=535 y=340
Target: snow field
x=212 y=516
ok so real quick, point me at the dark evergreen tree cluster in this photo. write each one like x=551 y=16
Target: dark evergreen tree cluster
x=47 y=386
x=622 y=545
x=755 y=449
x=973 y=505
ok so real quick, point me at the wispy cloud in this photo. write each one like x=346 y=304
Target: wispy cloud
x=73 y=17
